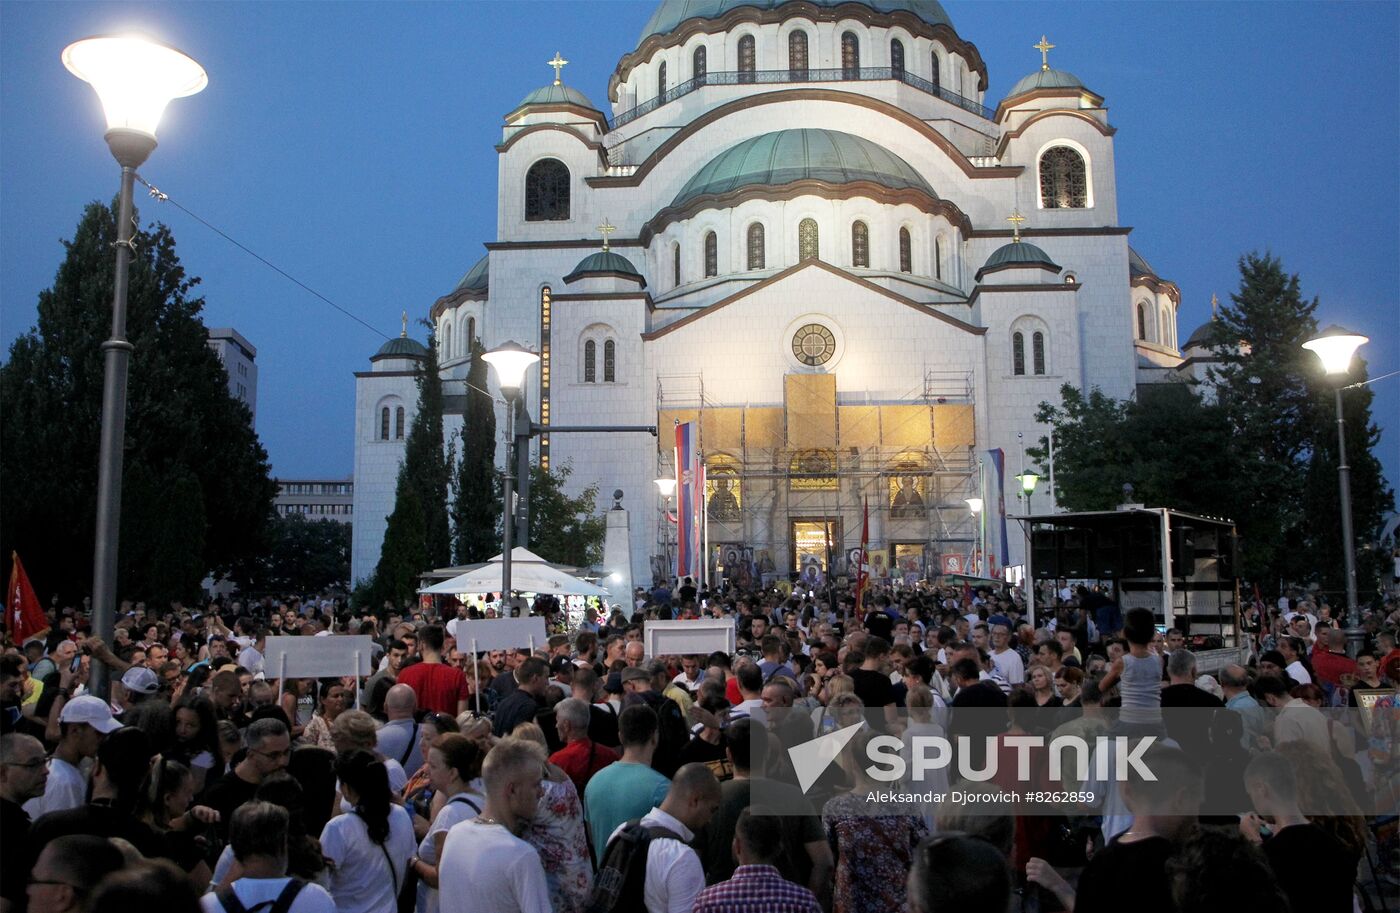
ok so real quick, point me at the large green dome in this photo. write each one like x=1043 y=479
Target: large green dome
x=478 y=278
x=671 y=13
x=787 y=156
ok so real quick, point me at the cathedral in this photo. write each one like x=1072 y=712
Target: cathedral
x=803 y=225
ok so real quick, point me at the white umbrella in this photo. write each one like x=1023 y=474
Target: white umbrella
x=529 y=574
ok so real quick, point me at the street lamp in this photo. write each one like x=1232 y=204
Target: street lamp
x=511 y=360
x=1028 y=482
x=975 y=505
x=135 y=78
x=667 y=488
x=1335 y=347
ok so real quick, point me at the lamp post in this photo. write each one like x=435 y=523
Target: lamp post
x=1335 y=347
x=511 y=360
x=135 y=78
x=975 y=505
x=667 y=488
x=1028 y=482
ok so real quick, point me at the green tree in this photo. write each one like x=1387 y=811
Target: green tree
x=476 y=501
x=564 y=530
x=196 y=486
x=404 y=554
x=302 y=555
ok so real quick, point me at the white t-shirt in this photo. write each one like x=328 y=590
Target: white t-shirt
x=1010 y=666
x=398 y=779
x=250 y=659
x=457 y=810
x=487 y=869
x=312 y=898
x=1295 y=671
x=674 y=874
x=360 y=880
x=66 y=788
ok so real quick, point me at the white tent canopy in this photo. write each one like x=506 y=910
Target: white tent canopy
x=529 y=573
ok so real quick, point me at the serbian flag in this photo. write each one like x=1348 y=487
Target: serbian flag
x=997 y=556
x=689 y=499
x=26 y=617
x=863 y=560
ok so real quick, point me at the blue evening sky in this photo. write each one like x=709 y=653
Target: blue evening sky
x=351 y=144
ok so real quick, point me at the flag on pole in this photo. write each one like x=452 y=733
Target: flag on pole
x=997 y=551
x=689 y=494
x=24 y=614
x=863 y=560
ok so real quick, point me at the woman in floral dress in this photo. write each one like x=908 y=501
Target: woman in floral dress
x=557 y=833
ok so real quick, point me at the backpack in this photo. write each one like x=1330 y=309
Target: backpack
x=622 y=874
x=282 y=904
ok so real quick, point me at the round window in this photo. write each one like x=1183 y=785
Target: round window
x=813 y=344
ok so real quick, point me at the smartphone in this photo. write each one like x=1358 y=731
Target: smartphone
x=77 y=661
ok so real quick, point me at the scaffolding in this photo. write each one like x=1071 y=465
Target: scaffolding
x=775 y=469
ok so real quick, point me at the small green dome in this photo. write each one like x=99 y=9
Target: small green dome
x=401 y=347
x=788 y=156
x=1202 y=338
x=605 y=262
x=1017 y=253
x=671 y=13
x=1137 y=266
x=557 y=95
x=1046 y=79
x=477 y=279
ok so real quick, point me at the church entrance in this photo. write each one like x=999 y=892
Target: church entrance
x=815 y=543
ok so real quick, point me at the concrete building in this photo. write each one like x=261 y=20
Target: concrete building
x=239 y=359
x=805 y=226
x=316 y=499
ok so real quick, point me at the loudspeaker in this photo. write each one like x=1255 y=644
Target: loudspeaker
x=1108 y=554
x=1142 y=554
x=1183 y=551
x=1074 y=554
x=1045 y=554
x=1229 y=556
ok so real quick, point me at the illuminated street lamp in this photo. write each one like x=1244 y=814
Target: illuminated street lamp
x=667 y=488
x=135 y=78
x=511 y=360
x=1335 y=348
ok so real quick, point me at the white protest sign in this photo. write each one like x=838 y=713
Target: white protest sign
x=318 y=657
x=501 y=634
x=680 y=638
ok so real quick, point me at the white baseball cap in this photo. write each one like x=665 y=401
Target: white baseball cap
x=141 y=680
x=91 y=710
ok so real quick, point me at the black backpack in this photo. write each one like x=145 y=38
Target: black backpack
x=281 y=904
x=622 y=875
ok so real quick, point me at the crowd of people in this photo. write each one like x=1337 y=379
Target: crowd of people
x=588 y=776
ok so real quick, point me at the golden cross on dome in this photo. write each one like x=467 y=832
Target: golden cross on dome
x=404 y=332
x=1214 y=306
x=1044 y=49
x=558 y=64
x=1016 y=219
x=605 y=229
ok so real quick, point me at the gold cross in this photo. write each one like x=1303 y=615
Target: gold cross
x=404 y=332
x=1044 y=49
x=558 y=64
x=1214 y=307
x=605 y=229
x=1016 y=219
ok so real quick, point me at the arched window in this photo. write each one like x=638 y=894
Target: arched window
x=938 y=258
x=797 y=54
x=755 y=246
x=1018 y=354
x=850 y=56
x=609 y=362
x=471 y=334
x=1062 y=179
x=547 y=191
x=590 y=362
x=675 y=263
x=445 y=342
x=860 y=244
x=661 y=79
x=711 y=254
x=1165 y=334
x=748 y=59
x=384 y=424
x=698 y=67
x=1142 y=321
x=906 y=251
x=1038 y=352
x=807 y=246
x=398 y=423
x=897 y=58
x=937 y=65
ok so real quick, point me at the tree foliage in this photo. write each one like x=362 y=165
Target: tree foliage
x=563 y=529
x=476 y=496
x=196 y=486
x=301 y=556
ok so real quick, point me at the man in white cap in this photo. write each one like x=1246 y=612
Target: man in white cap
x=143 y=707
x=83 y=722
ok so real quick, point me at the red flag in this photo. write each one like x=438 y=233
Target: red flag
x=863 y=569
x=23 y=612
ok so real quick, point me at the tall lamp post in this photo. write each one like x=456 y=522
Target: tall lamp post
x=511 y=360
x=975 y=505
x=135 y=78
x=1335 y=347
x=667 y=488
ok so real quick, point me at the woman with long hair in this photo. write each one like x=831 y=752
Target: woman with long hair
x=293 y=690
x=454 y=764
x=167 y=805
x=332 y=699
x=369 y=848
x=197 y=740
x=304 y=859
x=557 y=832
x=419 y=793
